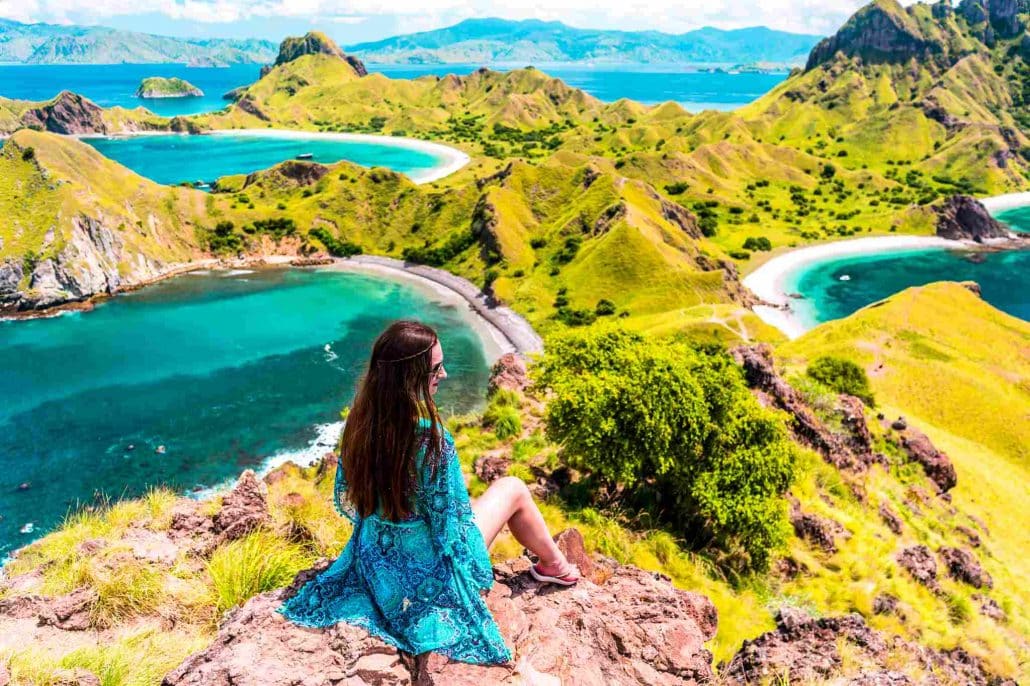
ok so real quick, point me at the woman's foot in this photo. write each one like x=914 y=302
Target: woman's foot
x=560 y=572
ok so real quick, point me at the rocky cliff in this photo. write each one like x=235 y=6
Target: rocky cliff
x=68 y=113
x=313 y=43
x=963 y=217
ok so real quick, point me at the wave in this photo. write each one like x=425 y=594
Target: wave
x=326 y=439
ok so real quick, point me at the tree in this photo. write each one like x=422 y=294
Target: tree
x=678 y=423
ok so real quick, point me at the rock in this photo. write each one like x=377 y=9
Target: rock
x=762 y=377
x=160 y=87
x=817 y=530
x=881 y=678
x=68 y=113
x=243 y=509
x=191 y=529
x=885 y=604
x=971 y=536
x=570 y=542
x=920 y=563
x=804 y=647
x=852 y=413
x=508 y=373
x=892 y=520
x=965 y=217
x=291 y=173
x=70 y=612
x=973 y=287
x=899 y=424
x=989 y=608
x=936 y=464
x=963 y=566
x=313 y=43
x=489 y=468
x=633 y=629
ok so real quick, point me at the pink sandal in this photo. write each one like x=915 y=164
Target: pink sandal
x=569 y=578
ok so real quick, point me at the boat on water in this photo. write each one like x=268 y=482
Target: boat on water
x=304 y=156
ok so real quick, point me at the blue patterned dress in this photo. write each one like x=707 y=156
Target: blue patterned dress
x=416 y=583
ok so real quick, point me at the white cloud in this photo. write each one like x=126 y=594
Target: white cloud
x=809 y=16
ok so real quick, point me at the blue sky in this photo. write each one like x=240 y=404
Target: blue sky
x=360 y=20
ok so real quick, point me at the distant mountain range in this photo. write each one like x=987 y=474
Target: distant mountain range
x=54 y=44
x=488 y=41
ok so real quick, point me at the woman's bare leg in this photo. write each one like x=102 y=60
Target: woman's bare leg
x=508 y=501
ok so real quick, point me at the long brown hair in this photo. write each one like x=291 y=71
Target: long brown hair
x=379 y=438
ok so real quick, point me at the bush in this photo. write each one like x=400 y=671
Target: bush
x=740 y=254
x=334 y=245
x=29 y=261
x=677 y=188
x=829 y=171
x=842 y=376
x=502 y=413
x=28 y=154
x=604 y=308
x=757 y=243
x=677 y=430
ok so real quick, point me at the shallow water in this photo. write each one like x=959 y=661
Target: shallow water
x=174 y=158
x=226 y=371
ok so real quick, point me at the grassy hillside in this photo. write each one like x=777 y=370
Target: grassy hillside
x=50 y=185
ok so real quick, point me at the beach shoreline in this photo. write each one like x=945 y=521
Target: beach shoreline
x=768 y=282
x=1008 y=201
x=451 y=159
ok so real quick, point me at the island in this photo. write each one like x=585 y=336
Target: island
x=160 y=87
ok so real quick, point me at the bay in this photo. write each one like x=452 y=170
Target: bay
x=227 y=370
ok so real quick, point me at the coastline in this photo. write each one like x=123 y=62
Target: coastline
x=768 y=282
x=1008 y=201
x=451 y=159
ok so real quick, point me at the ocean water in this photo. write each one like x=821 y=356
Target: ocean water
x=1018 y=218
x=837 y=288
x=115 y=84
x=227 y=370
x=173 y=158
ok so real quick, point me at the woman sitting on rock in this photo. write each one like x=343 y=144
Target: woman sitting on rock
x=417 y=560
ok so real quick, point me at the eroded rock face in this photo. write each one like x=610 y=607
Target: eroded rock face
x=892 y=520
x=508 y=373
x=243 y=510
x=68 y=113
x=965 y=217
x=802 y=646
x=633 y=629
x=936 y=464
x=314 y=43
x=963 y=566
x=292 y=173
x=876 y=34
x=920 y=563
x=761 y=376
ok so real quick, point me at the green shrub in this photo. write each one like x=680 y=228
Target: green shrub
x=676 y=188
x=740 y=254
x=29 y=261
x=757 y=243
x=502 y=413
x=28 y=154
x=677 y=428
x=604 y=308
x=843 y=376
x=334 y=245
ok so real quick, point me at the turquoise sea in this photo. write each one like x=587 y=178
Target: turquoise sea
x=110 y=85
x=227 y=370
x=835 y=288
x=173 y=158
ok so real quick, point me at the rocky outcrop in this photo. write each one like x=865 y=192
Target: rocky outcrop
x=936 y=464
x=291 y=173
x=243 y=509
x=920 y=563
x=508 y=373
x=819 y=531
x=313 y=43
x=963 y=566
x=1002 y=15
x=634 y=628
x=804 y=647
x=892 y=520
x=68 y=113
x=490 y=468
x=881 y=32
x=773 y=390
x=962 y=217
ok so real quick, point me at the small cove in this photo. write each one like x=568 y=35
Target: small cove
x=176 y=158
x=227 y=370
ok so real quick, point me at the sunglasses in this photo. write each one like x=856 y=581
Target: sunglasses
x=436 y=369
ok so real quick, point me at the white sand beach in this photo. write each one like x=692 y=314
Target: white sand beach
x=769 y=280
x=451 y=159
x=1008 y=201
